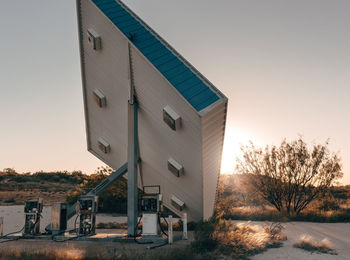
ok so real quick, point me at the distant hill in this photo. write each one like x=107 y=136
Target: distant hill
x=16 y=188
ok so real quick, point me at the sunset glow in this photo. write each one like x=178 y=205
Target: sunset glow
x=234 y=138
x=280 y=83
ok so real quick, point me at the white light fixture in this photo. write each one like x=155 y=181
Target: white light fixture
x=177 y=203
x=94 y=39
x=171 y=118
x=103 y=145
x=176 y=168
x=99 y=98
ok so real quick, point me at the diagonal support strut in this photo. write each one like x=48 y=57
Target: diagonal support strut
x=101 y=186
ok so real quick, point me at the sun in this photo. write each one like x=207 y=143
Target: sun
x=234 y=138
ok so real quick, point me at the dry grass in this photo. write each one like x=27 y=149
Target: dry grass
x=75 y=254
x=244 y=239
x=68 y=254
x=18 y=197
x=308 y=243
x=257 y=213
x=238 y=241
x=268 y=213
x=329 y=216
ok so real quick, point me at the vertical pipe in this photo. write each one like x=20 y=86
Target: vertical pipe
x=170 y=229
x=1 y=226
x=184 y=222
x=132 y=168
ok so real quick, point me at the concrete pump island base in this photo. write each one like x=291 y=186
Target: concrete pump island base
x=85 y=224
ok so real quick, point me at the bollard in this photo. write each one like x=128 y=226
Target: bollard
x=184 y=222
x=170 y=229
x=1 y=226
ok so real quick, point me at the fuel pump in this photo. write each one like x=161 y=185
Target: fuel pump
x=32 y=211
x=151 y=206
x=86 y=210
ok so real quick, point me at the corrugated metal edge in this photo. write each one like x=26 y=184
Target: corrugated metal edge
x=181 y=58
x=223 y=142
x=82 y=69
x=223 y=139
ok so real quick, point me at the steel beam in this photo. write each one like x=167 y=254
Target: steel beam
x=132 y=168
x=98 y=189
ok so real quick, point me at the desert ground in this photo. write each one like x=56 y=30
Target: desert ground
x=337 y=233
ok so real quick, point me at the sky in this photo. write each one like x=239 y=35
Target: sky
x=284 y=65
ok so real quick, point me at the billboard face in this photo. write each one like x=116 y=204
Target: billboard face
x=181 y=115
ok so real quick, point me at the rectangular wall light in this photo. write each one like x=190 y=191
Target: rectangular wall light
x=176 y=168
x=99 y=98
x=103 y=145
x=171 y=118
x=94 y=39
x=177 y=203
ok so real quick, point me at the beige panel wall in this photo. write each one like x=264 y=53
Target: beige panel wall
x=197 y=149
x=213 y=129
x=106 y=70
x=158 y=142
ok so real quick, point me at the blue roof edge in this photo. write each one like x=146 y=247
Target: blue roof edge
x=203 y=110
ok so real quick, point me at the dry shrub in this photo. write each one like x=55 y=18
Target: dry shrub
x=312 y=214
x=308 y=243
x=204 y=236
x=332 y=216
x=68 y=254
x=275 y=231
x=238 y=241
x=244 y=239
x=257 y=213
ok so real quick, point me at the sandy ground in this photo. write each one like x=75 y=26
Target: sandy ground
x=337 y=233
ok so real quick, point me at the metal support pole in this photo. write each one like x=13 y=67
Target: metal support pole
x=1 y=226
x=170 y=229
x=132 y=168
x=184 y=223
